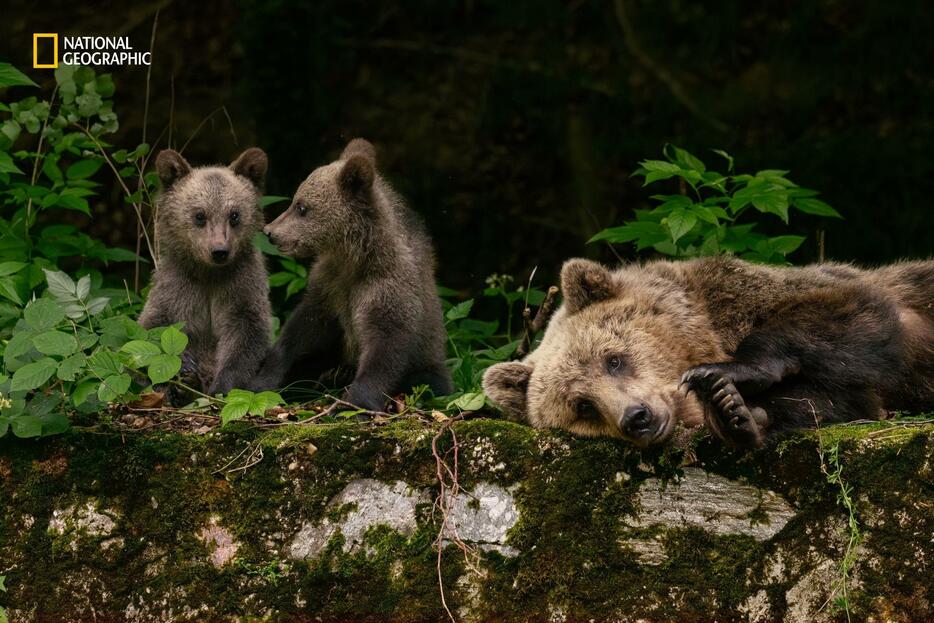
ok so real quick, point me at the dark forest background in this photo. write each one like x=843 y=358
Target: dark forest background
x=512 y=127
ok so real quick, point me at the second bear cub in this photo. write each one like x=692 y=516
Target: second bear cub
x=371 y=299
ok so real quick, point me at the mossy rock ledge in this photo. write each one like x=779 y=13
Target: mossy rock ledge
x=338 y=522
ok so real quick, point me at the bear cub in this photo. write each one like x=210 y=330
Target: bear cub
x=209 y=274
x=371 y=300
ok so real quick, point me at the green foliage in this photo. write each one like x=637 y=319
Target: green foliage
x=68 y=343
x=474 y=345
x=710 y=219
x=832 y=468
x=240 y=403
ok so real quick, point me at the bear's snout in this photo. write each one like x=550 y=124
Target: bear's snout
x=637 y=421
x=268 y=232
x=220 y=254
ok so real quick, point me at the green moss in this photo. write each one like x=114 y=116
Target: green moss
x=573 y=496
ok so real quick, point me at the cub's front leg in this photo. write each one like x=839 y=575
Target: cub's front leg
x=310 y=334
x=388 y=344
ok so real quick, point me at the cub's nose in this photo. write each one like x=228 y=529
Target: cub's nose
x=220 y=254
x=637 y=421
x=268 y=233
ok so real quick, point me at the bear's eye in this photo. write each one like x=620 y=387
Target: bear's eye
x=234 y=218
x=586 y=410
x=200 y=219
x=614 y=364
x=301 y=208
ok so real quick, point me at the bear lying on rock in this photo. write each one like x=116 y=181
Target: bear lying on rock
x=746 y=349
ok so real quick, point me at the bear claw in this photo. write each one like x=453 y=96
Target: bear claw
x=724 y=408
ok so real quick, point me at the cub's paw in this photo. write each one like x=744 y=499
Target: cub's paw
x=725 y=411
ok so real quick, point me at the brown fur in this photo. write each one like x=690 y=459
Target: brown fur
x=829 y=341
x=210 y=276
x=371 y=300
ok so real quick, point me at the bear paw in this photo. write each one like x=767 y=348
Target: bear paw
x=725 y=411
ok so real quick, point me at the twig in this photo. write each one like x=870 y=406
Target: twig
x=205 y=120
x=535 y=324
x=448 y=489
x=136 y=207
x=674 y=86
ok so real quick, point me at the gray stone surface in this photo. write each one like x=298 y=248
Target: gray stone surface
x=373 y=503
x=483 y=516
x=713 y=503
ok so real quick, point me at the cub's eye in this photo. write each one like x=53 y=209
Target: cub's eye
x=586 y=410
x=301 y=208
x=200 y=219
x=614 y=364
x=234 y=218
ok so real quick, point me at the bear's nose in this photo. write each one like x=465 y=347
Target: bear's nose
x=219 y=254
x=637 y=420
x=268 y=233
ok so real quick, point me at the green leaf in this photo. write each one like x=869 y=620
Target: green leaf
x=83 y=168
x=55 y=343
x=173 y=341
x=113 y=386
x=163 y=367
x=43 y=314
x=54 y=424
x=83 y=391
x=680 y=222
x=655 y=170
x=141 y=352
x=8 y=290
x=26 y=426
x=809 y=205
x=61 y=286
x=237 y=405
x=471 y=401
x=646 y=233
x=11 y=268
x=32 y=375
x=104 y=363
x=729 y=158
x=10 y=77
x=685 y=159
x=263 y=401
x=461 y=310
x=269 y=200
x=261 y=242
x=70 y=367
x=7 y=165
x=785 y=244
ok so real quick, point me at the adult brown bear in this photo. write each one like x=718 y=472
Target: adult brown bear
x=745 y=348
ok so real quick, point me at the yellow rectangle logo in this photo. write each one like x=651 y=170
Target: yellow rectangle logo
x=35 y=50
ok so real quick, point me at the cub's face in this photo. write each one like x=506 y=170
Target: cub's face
x=328 y=207
x=208 y=215
x=610 y=362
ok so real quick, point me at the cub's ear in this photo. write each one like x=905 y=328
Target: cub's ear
x=507 y=384
x=171 y=167
x=356 y=178
x=584 y=282
x=360 y=147
x=252 y=165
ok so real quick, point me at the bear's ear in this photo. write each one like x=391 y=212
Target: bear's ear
x=507 y=385
x=356 y=177
x=361 y=147
x=171 y=167
x=252 y=164
x=584 y=282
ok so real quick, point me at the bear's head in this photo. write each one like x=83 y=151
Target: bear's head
x=208 y=215
x=611 y=358
x=331 y=206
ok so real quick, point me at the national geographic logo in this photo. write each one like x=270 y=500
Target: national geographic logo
x=89 y=51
